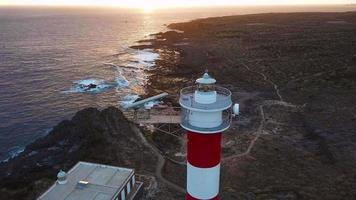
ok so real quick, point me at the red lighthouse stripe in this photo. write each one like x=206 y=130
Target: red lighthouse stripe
x=204 y=149
x=188 y=197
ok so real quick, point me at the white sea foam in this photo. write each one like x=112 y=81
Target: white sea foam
x=88 y=82
x=85 y=85
x=139 y=59
x=145 y=58
x=129 y=99
x=130 y=76
x=131 y=68
x=121 y=80
x=13 y=152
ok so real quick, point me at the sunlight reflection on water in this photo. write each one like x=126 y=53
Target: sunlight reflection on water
x=44 y=53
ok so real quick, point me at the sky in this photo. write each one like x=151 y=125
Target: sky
x=152 y=4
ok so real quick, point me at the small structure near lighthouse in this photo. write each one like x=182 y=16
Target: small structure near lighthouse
x=91 y=181
x=206 y=111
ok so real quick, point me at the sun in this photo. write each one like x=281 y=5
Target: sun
x=148 y=9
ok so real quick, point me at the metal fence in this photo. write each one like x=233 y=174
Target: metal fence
x=223 y=99
x=225 y=123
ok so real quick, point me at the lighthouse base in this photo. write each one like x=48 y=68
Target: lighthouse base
x=188 y=197
x=203 y=165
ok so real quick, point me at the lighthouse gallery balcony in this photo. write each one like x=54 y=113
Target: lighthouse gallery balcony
x=223 y=103
x=223 y=100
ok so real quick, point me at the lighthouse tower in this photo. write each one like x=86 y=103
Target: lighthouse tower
x=206 y=112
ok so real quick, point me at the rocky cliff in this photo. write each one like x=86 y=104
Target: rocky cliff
x=91 y=135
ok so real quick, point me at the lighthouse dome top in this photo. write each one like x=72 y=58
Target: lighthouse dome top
x=206 y=79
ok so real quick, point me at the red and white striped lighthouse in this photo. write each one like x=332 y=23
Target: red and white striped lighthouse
x=206 y=113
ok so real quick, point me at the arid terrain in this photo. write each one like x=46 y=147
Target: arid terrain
x=294 y=76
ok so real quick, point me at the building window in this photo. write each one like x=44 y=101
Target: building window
x=206 y=87
x=123 y=195
x=133 y=181
x=128 y=188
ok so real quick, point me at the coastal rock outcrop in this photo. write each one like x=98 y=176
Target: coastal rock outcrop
x=91 y=135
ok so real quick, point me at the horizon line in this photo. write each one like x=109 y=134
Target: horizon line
x=168 y=7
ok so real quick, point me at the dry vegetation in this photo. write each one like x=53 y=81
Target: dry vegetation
x=295 y=78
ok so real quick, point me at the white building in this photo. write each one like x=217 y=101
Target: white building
x=90 y=181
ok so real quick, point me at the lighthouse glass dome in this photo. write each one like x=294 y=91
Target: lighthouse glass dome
x=205 y=107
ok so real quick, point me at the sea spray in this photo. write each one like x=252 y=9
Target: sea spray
x=128 y=99
x=89 y=85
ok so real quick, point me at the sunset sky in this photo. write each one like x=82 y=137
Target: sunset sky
x=152 y=4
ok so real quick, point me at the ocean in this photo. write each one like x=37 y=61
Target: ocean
x=48 y=55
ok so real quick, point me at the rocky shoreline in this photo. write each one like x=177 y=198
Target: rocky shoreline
x=294 y=76
x=91 y=135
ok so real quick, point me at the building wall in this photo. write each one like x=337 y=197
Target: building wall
x=127 y=192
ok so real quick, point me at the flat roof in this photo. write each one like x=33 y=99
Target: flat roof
x=104 y=183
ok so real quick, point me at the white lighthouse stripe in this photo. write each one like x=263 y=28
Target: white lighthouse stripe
x=203 y=183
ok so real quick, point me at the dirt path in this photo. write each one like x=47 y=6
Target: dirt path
x=260 y=129
x=279 y=102
x=160 y=163
x=253 y=141
x=275 y=86
x=265 y=78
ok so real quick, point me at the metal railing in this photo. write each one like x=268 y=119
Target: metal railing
x=225 y=123
x=145 y=114
x=223 y=99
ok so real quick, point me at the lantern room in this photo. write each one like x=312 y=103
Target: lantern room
x=205 y=92
x=206 y=107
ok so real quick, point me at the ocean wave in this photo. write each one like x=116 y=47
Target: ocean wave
x=146 y=58
x=89 y=85
x=121 y=80
x=129 y=99
x=139 y=59
x=13 y=152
